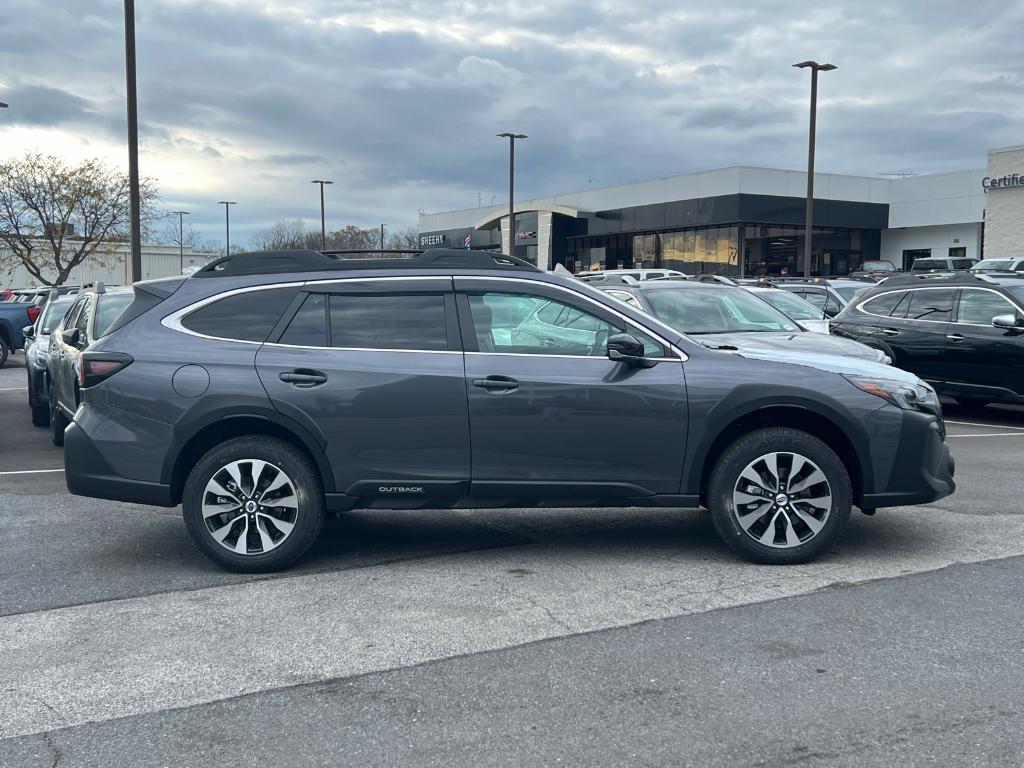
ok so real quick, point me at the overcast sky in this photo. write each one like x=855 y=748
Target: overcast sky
x=398 y=101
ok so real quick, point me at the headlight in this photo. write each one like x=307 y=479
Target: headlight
x=918 y=397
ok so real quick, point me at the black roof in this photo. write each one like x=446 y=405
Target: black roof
x=278 y=262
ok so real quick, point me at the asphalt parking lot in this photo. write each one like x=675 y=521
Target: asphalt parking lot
x=512 y=636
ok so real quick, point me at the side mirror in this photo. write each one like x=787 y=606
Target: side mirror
x=1008 y=321
x=627 y=348
x=29 y=331
x=70 y=336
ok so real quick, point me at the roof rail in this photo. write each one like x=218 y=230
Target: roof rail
x=282 y=262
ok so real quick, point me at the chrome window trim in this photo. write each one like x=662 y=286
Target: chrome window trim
x=599 y=358
x=173 y=320
x=625 y=318
x=362 y=349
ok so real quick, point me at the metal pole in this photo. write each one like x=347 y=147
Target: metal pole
x=382 y=237
x=512 y=195
x=227 y=229
x=809 y=219
x=133 y=141
x=323 y=220
x=181 y=242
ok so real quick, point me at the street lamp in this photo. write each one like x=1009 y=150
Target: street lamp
x=181 y=239
x=512 y=186
x=227 y=224
x=323 y=227
x=133 y=140
x=815 y=68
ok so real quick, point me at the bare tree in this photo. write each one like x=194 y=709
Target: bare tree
x=352 y=238
x=54 y=216
x=407 y=239
x=286 y=235
x=187 y=236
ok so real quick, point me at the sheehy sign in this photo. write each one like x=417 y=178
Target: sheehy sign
x=432 y=239
x=1002 y=182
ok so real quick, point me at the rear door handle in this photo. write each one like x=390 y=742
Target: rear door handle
x=891 y=331
x=304 y=378
x=497 y=384
x=955 y=336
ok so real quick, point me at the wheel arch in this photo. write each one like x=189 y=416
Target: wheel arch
x=226 y=427
x=826 y=429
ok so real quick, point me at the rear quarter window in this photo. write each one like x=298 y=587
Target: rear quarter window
x=882 y=305
x=248 y=316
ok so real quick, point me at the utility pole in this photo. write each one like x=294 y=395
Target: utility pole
x=181 y=240
x=382 y=237
x=512 y=187
x=815 y=67
x=227 y=224
x=323 y=224
x=133 y=141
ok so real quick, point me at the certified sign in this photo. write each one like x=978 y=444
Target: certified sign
x=1002 y=182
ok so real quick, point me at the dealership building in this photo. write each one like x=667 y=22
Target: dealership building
x=746 y=221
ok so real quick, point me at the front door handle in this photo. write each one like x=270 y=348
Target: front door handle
x=304 y=377
x=497 y=384
x=955 y=336
x=891 y=331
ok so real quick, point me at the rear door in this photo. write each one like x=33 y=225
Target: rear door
x=981 y=358
x=550 y=414
x=374 y=366
x=916 y=331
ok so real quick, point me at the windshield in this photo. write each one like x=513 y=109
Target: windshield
x=53 y=314
x=717 y=310
x=1006 y=264
x=883 y=265
x=110 y=306
x=929 y=264
x=791 y=304
x=847 y=291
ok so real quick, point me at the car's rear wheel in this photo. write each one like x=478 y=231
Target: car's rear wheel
x=58 y=421
x=779 y=496
x=40 y=414
x=253 y=504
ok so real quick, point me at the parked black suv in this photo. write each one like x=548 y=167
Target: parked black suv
x=270 y=388
x=963 y=333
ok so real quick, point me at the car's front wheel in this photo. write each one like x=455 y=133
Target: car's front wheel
x=779 y=496
x=253 y=504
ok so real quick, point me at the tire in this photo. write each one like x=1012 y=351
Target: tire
x=256 y=538
x=41 y=415
x=5 y=351
x=748 y=516
x=58 y=421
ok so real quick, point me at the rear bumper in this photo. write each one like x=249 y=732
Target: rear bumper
x=923 y=468
x=87 y=473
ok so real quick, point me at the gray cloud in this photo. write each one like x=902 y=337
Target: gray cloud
x=399 y=100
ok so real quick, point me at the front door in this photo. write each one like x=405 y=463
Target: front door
x=374 y=368
x=982 y=360
x=550 y=414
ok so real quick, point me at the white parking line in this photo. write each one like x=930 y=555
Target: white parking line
x=13 y=389
x=30 y=471
x=993 y=434
x=976 y=424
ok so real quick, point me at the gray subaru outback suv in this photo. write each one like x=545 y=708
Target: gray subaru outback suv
x=270 y=389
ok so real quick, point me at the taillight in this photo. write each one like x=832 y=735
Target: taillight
x=94 y=367
x=33 y=314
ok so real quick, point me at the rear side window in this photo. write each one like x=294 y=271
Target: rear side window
x=935 y=305
x=374 y=321
x=309 y=326
x=248 y=316
x=883 y=305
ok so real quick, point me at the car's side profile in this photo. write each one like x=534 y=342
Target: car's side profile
x=37 y=357
x=270 y=389
x=962 y=333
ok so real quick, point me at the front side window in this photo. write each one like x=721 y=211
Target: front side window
x=413 y=321
x=248 y=316
x=979 y=307
x=716 y=310
x=82 y=321
x=526 y=324
x=934 y=305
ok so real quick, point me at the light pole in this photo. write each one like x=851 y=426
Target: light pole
x=227 y=224
x=133 y=140
x=181 y=239
x=382 y=237
x=512 y=187
x=815 y=68
x=323 y=226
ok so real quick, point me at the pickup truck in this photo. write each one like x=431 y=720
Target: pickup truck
x=13 y=317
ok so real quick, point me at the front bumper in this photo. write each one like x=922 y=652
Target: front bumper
x=87 y=473
x=923 y=467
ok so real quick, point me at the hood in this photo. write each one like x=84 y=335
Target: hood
x=799 y=343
